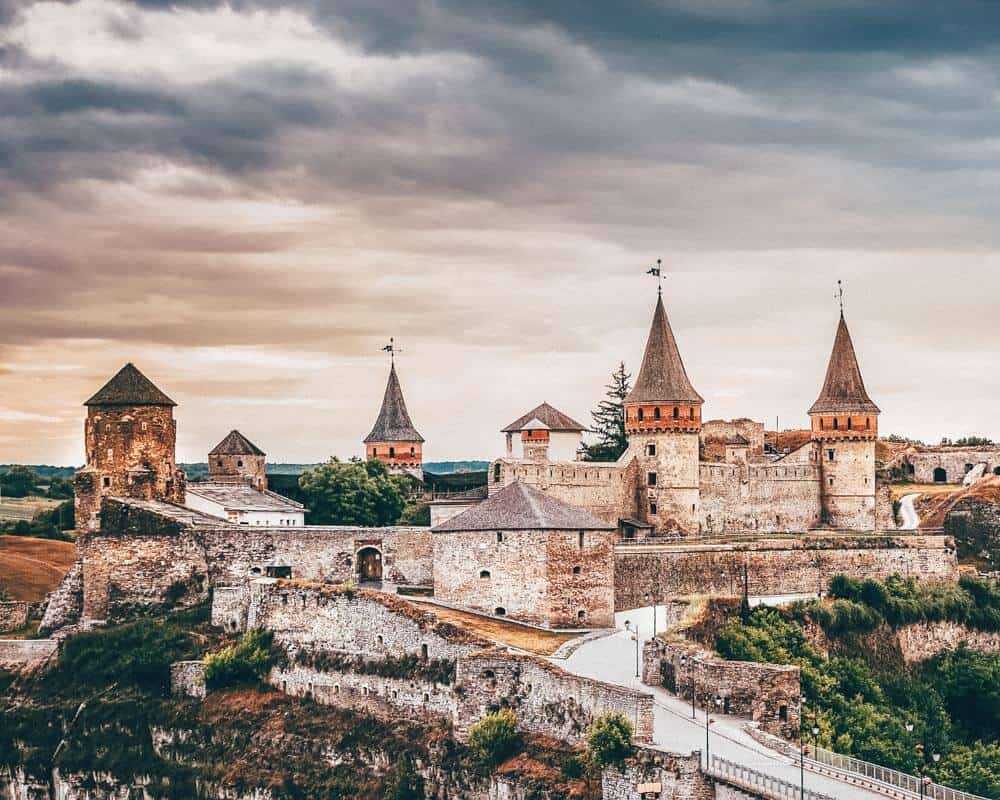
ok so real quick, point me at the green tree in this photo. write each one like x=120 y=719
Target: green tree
x=495 y=737
x=609 y=419
x=609 y=739
x=60 y=489
x=353 y=493
x=242 y=663
x=18 y=481
x=415 y=514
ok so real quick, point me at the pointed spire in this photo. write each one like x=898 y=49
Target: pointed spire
x=393 y=423
x=662 y=378
x=844 y=388
x=129 y=387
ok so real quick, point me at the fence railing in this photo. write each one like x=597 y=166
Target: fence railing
x=890 y=777
x=759 y=782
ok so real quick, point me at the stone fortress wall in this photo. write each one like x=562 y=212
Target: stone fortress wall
x=921 y=465
x=13 y=616
x=778 y=566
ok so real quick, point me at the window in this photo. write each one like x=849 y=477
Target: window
x=576 y=570
x=850 y=423
x=831 y=481
x=783 y=713
x=484 y=573
x=691 y=413
x=413 y=451
x=581 y=614
x=499 y=537
x=836 y=424
x=239 y=462
x=145 y=426
x=652 y=508
x=106 y=481
x=423 y=652
x=650 y=449
x=640 y=415
x=821 y=425
x=868 y=423
x=378 y=640
x=500 y=611
x=829 y=455
x=651 y=478
x=579 y=540
x=496 y=473
x=677 y=413
x=392 y=452
x=218 y=462
x=656 y=413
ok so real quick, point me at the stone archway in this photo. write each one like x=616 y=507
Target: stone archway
x=940 y=475
x=369 y=565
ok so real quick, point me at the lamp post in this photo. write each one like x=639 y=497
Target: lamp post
x=689 y=660
x=635 y=637
x=802 y=753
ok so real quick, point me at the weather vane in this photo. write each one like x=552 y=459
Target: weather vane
x=840 y=296
x=391 y=349
x=657 y=271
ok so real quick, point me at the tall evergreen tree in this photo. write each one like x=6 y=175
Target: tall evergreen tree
x=609 y=419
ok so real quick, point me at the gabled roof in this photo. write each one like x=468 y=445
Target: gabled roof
x=662 y=378
x=240 y=497
x=129 y=388
x=844 y=388
x=521 y=507
x=552 y=418
x=393 y=423
x=236 y=444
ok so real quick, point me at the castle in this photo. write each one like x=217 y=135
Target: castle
x=685 y=476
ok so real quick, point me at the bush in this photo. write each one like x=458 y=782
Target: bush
x=243 y=663
x=609 y=739
x=404 y=782
x=495 y=737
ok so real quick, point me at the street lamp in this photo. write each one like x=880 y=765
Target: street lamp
x=655 y=597
x=690 y=662
x=925 y=782
x=802 y=753
x=635 y=637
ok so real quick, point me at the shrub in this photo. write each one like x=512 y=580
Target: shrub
x=609 y=739
x=495 y=737
x=404 y=782
x=242 y=663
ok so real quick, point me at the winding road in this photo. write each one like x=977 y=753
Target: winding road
x=911 y=519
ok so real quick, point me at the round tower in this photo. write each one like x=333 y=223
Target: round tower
x=844 y=424
x=130 y=438
x=393 y=440
x=663 y=421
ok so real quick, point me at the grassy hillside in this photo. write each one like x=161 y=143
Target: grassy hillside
x=31 y=568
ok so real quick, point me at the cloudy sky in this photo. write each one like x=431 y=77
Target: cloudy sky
x=247 y=200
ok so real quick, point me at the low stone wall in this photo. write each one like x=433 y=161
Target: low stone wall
x=766 y=693
x=919 y=642
x=64 y=605
x=230 y=606
x=663 y=776
x=794 y=565
x=13 y=616
x=187 y=678
x=547 y=700
x=26 y=654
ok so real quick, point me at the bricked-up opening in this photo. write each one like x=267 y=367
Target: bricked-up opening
x=500 y=611
x=484 y=573
x=940 y=475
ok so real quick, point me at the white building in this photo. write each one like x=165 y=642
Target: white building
x=242 y=504
x=544 y=433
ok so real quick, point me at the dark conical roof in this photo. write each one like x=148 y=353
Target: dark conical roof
x=393 y=423
x=236 y=444
x=844 y=388
x=552 y=418
x=129 y=388
x=662 y=378
x=521 y=507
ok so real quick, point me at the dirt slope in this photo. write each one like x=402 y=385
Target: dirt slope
x=31 y=568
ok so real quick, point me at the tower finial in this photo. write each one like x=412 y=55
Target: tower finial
x=391 y=349
x=840 y=295
x=657 y=271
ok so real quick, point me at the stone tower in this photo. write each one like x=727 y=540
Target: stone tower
x=130 y=437
x=394 y=441
x=238 y=460
x=844 y=423
x=662 y=421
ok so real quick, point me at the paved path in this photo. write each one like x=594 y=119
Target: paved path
x=613 y=659
x=911 y=519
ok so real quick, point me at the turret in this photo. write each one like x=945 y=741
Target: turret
x=130 y=438
x=393 y=440
x=844 y=424
x=546 y=434
x=662 y=420
x=238 y=460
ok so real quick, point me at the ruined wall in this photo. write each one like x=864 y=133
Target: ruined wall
x=953 y=461
x=767 y=693
x=664 y=776
x=716 y=432
x=919 y=642
x=543 y=577
x=13 y=616
x=20 y=654
x=759 y=497
x=547 y=700
x=187 y=678
x=975 y=524
x=797 y=565
x=64 y=606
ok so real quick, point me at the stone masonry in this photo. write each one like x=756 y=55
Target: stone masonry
x=187 y=678
x=13 y=616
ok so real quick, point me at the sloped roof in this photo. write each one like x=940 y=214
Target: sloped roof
x=240 y=497
x=521 y=507
x=552 y=418
x=662 y=378
x=129 y=388
x=393 y=423
x=844 y=388
x=738 y=441
x=236 y=444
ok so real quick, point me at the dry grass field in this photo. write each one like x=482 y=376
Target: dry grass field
x=13 y=509
x=544 y=643
x=31 y=568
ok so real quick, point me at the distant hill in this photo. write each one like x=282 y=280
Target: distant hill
x=447 y=467
x=43 y=470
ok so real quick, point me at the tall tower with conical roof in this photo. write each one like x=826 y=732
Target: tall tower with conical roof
x=845 y=427
x=662 y=421
x=393 y=440
x=130 y=439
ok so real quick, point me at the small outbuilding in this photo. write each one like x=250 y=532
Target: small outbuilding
x=526 y=555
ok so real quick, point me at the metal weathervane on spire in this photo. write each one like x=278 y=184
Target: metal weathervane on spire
x=658 y=272
x=391 y=349
x=840 y=296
